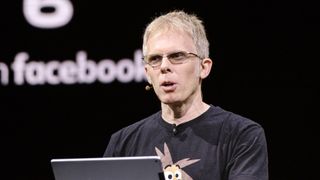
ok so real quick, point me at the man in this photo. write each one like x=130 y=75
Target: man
x=195 y=140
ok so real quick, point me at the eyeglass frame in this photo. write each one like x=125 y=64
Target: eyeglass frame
x=170 y=59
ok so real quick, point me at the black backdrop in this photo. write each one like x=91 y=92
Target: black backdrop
x=264 y=56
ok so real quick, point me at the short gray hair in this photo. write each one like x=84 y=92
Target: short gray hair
x=179 y=20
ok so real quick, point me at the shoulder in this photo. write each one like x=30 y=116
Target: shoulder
x=233 y=123
x=245 y=145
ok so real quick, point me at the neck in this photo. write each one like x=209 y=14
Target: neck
x=183 y=112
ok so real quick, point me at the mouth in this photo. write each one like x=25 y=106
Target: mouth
x=167 y=83
x=168 y=86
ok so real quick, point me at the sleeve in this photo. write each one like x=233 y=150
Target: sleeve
x=249 y=156
x=111 y=150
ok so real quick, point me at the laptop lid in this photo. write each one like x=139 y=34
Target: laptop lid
x=108 y=168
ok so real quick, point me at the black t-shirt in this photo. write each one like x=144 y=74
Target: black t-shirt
x=217 y=145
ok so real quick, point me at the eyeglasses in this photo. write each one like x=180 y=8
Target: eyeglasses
x=155 y=60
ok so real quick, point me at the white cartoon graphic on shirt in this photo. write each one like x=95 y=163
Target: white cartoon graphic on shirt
x=174 y=171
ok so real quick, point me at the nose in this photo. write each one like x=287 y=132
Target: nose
x=165 y=64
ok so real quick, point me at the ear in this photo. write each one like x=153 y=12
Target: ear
x=206 y=65
x=147 y=75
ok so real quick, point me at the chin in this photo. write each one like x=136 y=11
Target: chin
x=169 y=101
x=169 y=98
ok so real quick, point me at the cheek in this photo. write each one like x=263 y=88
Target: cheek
x=148 y=74
x=153 y=79
x=151 y=76
x=191 y=78
x=193 y=73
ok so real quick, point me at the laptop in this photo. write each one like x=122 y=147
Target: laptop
x=108 y=168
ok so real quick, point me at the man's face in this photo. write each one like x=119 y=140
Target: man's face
x=174 y=83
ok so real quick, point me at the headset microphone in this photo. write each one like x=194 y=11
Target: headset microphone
x=148 y=87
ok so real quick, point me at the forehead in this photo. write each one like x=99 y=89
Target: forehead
x=170 y=40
